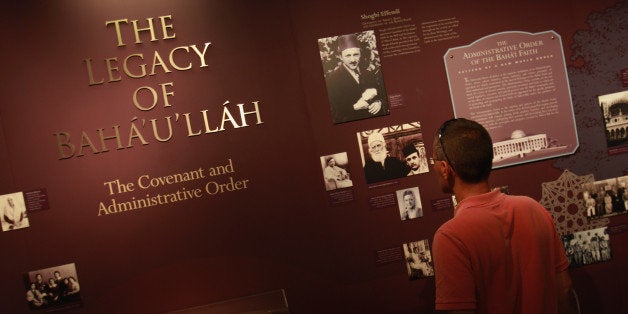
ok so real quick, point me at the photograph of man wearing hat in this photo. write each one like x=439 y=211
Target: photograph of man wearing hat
x=355 y=88
x=415 y=159
x=381 y=166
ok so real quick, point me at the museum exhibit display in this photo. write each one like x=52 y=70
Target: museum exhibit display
x=212 y=155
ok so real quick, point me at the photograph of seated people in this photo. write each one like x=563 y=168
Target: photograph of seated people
x=54 y=292
x=381 y=166
x=335 y=173
x=353 y=77
x=418 y=259
x=13 y=211
x=493 y=238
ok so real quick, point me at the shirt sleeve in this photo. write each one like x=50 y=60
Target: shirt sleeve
x=455 y=288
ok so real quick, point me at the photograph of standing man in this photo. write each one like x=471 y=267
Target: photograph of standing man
x=353 y=77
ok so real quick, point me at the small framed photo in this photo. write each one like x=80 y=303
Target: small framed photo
x=13 y=212
x=587 y=247
x=418 y=259
x=52 y=289
x=392 y=152
x=614 y=108
x=335 y=171
x=409 y=202
x=353 y=75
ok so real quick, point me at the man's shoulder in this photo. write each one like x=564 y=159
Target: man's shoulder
x=521 y=200
x=371 y=165
x=452 y=232
x=449 y=226
x=369 y=74
x=337 y=72
x=394 y=160
x=370 y=162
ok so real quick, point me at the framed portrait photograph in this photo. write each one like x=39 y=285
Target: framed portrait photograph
x=409 y=202
x=335 y=171
x=13 y=211
x=353 y=76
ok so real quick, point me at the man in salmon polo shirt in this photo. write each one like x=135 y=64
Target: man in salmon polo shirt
x=499 y=253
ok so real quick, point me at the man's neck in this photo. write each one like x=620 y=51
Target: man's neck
x=355 y=74
x=354 y=71
x=463 y=190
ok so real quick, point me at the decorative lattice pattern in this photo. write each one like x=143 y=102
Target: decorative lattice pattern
x=563 y=198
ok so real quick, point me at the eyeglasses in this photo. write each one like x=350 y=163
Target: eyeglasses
x=441 y=131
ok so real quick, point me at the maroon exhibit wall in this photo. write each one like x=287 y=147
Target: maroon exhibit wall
x=278 y=229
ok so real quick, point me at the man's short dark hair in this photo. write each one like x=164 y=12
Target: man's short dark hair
x=408 y=192
x=467 y=147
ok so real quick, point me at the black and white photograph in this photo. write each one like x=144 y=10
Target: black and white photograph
x=418 y=259
x=335 y=171
x=416 y=157
x=53 y=288
x=13 y=211
x=384 y=152
x=521 y=144
x=587 y=247
x=614 y=108
x=353 y=75
x=605 y=197
x=409 y=201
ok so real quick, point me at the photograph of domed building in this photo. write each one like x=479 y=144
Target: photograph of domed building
x=614 y=109
x=519 y=145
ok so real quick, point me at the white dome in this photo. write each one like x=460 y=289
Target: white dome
x=517 y=134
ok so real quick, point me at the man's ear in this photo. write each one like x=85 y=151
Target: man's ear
x=448 y=173
x=444 y=169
